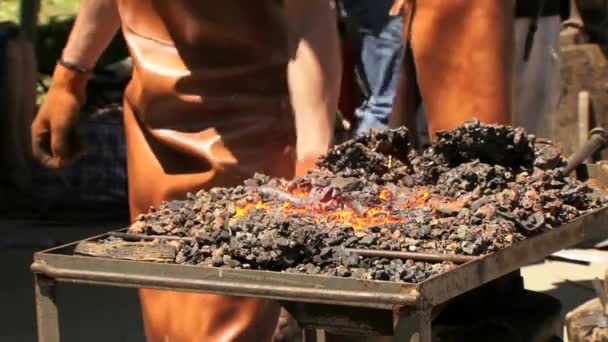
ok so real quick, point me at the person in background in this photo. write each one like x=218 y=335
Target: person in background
x=376 y=37
x=531 y=36
x=458 y=62
x=211 y=101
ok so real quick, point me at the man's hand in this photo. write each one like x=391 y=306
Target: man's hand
x=54 y=140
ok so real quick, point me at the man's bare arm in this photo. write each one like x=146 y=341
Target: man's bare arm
x=54 y=143
x=96 y=24
x=314 y=73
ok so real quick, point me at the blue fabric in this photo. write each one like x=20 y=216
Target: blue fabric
x=97 y=180
x=379 y=44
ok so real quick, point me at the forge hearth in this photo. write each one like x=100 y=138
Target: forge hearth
x=478 y=189
x=318 y=244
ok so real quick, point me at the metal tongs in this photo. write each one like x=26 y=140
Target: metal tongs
x=598 y=140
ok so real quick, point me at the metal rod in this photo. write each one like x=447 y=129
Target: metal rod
x=138 y=237
x=458 y=259
x=47 y=313
x=597 y=141
x=414 y=325
x=222 y=286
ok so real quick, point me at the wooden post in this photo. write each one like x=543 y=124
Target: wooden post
x=28 y=17
x=606 y=291
x=583 y=117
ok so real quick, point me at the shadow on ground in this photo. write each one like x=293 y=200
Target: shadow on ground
x=572 y=293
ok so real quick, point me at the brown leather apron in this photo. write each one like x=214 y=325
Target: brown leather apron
x=462 y=54
x=207 y=106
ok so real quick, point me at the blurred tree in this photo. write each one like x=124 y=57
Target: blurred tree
x=28 y=17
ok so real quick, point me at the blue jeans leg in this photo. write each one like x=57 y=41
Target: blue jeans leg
x=380 y=46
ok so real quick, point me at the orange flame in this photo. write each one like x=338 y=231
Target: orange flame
x=299 y=193
x=373 y=216
x=423 y=198
x=350 y=218
x=244 y=210
x=385 y=195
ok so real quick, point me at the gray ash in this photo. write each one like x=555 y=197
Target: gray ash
x=478 y=189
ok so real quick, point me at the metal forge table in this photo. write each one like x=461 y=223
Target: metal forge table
x=362 y=307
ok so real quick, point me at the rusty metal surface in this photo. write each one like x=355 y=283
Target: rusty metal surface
x=59 y=264
x=414 y=325
x=445 y=286
x=416 y=256
x=265 y=284
x=316 y=301
x=47 y=312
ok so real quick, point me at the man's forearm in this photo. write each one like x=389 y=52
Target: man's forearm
x=96 y=24
x=314 y=73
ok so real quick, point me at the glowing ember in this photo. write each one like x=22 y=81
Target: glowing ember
x=370 y=218
x=242 y=211
x=376 y=192
x=339 y=213
x=423 y=198
x=385 y=195
x=299 y=193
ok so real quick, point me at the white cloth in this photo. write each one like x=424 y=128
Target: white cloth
x=536 y=86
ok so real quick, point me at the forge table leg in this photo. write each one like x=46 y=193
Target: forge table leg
x=413 y=326
x=310 y=335
x=47 y=314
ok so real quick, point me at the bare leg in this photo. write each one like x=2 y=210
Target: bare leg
x=463 y=53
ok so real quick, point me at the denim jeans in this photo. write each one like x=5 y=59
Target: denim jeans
x=377 y=39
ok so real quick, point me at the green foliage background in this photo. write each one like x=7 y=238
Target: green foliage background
x=55 y=22
x=9 y=9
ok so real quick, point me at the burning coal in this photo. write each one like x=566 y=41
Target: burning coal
x=477 y=189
